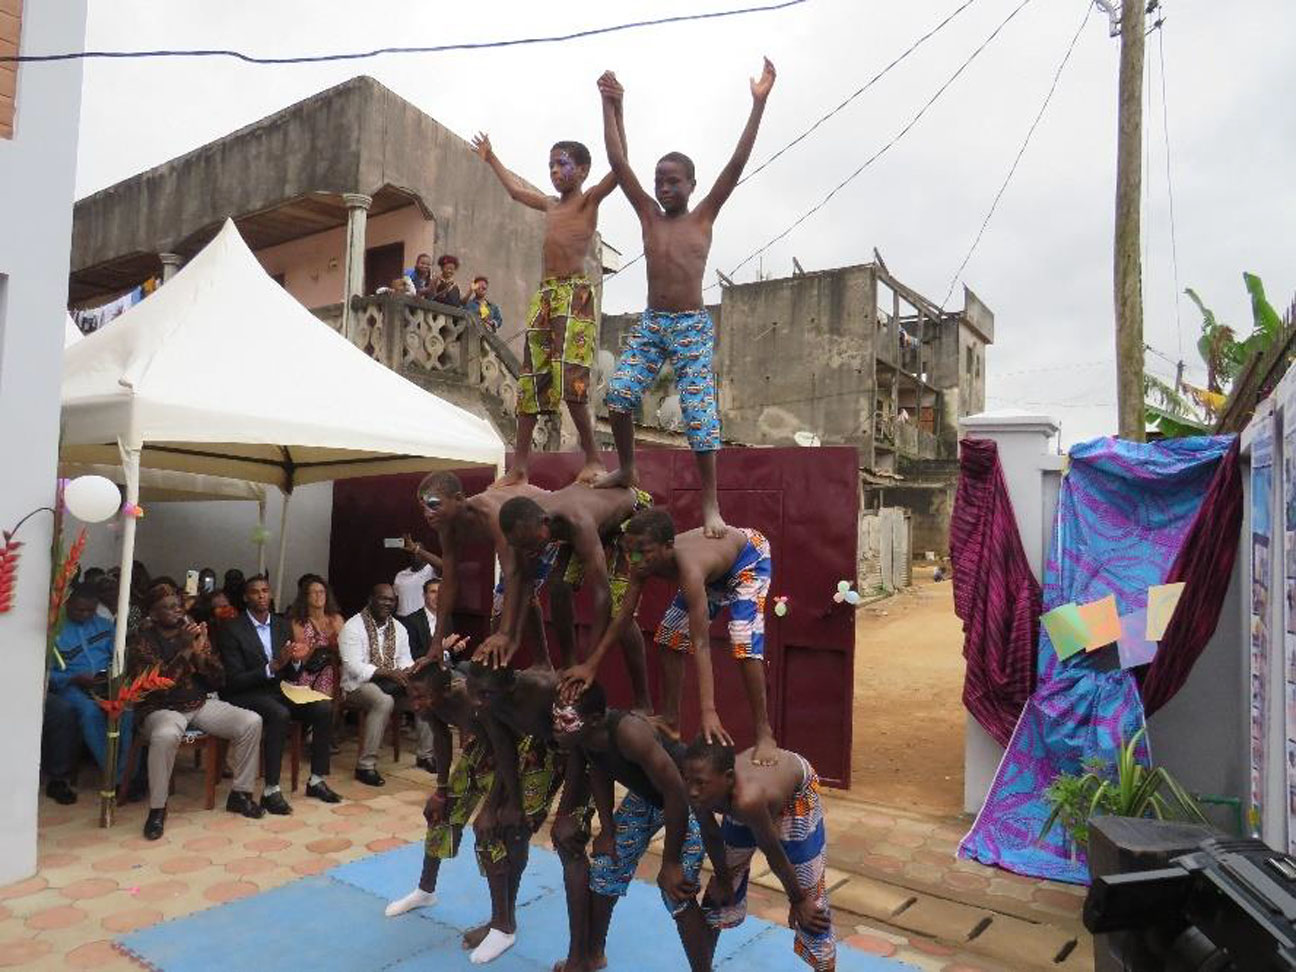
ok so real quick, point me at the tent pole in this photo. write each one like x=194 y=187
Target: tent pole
x=108 y=792
x=283 y=551
x=261 y=536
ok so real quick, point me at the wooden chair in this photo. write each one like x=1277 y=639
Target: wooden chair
x=212 y=748
x=393 y=726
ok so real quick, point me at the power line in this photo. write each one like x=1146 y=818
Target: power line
x=364 y=55
x=1020 y=153
x=1174 y=243
x=885 y=148
x=871 y=82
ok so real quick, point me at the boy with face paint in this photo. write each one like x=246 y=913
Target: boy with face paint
x=777 y=809
x=732 y=572
x=560 y=331
x=584 y=524
x=626 y=748
x=460 y=521
x=676 y=327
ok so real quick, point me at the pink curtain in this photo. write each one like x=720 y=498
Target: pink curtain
x=995 y=594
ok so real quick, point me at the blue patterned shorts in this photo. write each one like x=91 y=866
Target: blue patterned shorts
x=544 y=567
x=687 y=341
x=637 y=823
x=743 y=590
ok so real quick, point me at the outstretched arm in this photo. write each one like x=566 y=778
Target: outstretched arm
x=693 y=587
x=577 y=679
x=732 y=172
x=514 y=186
x=614 y=141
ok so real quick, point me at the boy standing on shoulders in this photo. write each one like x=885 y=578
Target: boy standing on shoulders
x=777 y=809
x=676 y=327
x=560 y=330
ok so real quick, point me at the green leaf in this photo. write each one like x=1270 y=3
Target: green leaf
x=1267 y=321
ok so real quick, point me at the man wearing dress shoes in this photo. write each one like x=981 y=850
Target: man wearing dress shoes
x=258 y=653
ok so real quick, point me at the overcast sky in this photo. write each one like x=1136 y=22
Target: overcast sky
x=1044 y=265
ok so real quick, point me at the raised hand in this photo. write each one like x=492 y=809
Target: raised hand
x=610 y=88
x=482 y=146
x=712 y=730
x=760 y=88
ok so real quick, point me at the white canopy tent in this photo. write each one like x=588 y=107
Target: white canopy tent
x=221 y=372
x=71 y=333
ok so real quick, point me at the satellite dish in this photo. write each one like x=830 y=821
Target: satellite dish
x=670 y=415
x=807 y=439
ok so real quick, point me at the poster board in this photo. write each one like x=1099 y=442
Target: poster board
x=1261 y=548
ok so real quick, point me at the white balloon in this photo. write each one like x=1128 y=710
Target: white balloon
x=92 y=499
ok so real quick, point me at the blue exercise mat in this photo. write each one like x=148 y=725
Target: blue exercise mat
x=335 y=921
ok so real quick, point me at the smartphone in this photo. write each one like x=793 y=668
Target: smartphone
x=208 y=585
x=191 y=583
x=394 y=543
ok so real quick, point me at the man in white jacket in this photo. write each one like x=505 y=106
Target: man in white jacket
x=376 y=667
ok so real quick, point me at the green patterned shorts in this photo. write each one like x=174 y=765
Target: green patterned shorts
x=559 y=352
x=617 y=564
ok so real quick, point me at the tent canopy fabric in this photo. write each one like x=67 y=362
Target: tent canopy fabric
x=166 y=486
x=222 y=372
x=71 y=333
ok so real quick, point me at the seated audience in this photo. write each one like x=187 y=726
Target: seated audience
x=211 y=609
x=421 y=624
x=183 y=652
x=317 y=623
x=376 y=667
x=258 y=653
x=60 y=747
x=444 y=289
x=233 y=587
x=421 y=276
x=482 y=309
x=85 y=643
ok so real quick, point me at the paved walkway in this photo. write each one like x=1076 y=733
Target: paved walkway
x=898 y=892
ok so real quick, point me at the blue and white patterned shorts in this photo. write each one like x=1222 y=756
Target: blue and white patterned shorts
x=637 y=823
x=687 y=341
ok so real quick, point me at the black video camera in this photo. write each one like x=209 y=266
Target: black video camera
x=1228 y=904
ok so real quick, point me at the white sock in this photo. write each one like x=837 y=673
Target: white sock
x=495 y=944
x=418 y=898
x=314 y=778
x=269 y=790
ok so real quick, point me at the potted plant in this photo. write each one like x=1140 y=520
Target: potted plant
x=1127 y=789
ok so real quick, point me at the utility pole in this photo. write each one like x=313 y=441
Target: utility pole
x=1129 y=191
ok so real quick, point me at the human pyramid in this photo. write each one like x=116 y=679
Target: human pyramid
x=529 y=734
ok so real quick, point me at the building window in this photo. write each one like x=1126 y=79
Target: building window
x=10 y=20
x=968 y=366
x=978 y=366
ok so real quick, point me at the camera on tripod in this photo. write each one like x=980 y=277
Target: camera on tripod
x=1177 y=897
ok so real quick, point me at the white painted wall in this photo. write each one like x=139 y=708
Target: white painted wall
x=175 y=537
x=37 y=178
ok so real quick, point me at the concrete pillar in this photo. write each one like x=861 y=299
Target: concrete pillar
x=1033 y=476
x=171 y=263
x=357 y=205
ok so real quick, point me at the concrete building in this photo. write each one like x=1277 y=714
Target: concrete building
x=850 y=356
x=40 y=107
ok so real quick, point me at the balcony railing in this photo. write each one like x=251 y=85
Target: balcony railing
x=422 y=339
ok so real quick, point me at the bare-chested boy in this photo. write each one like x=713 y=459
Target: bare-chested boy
x=459 y=521
x=676 y=327
x=561 y=338
x=733 y=571
x=777 y=809
x=585 y=524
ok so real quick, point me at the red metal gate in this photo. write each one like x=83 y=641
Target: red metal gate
x=806 y=501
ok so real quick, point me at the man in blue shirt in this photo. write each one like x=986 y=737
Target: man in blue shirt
x=85 y=644
x=482 y=309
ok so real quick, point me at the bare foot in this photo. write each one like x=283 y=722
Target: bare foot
x=514 y=477
x=765 y=752
x=598 y=963
x=573 y=965
x=474 y=936
x=713 y=525
x=591 y=473
x=619 y=479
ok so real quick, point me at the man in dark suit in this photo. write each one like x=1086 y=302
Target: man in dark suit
x=421 y=624
x=258 y=653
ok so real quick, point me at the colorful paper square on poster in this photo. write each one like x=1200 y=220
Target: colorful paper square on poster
x=1162 y=601
x=1066 y=629
x=1102 y=621
x=1133 y=647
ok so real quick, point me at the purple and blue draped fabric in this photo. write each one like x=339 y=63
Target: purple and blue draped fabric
x=1122 y=516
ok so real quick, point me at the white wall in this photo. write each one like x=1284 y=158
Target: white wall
x=174 y=537
x=37 y=177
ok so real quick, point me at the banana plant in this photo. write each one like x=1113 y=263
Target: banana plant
x=1127 y=789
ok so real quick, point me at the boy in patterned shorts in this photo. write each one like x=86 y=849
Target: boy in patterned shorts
x=777 y=809
x=676 y=327
x=732 y=572
x=561 y=337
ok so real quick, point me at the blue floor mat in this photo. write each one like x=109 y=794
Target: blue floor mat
x=335 y=922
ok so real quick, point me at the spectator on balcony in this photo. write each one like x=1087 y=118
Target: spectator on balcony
x=421 y=277
x=479 y=307
x=444 y=289
x=401 y=285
